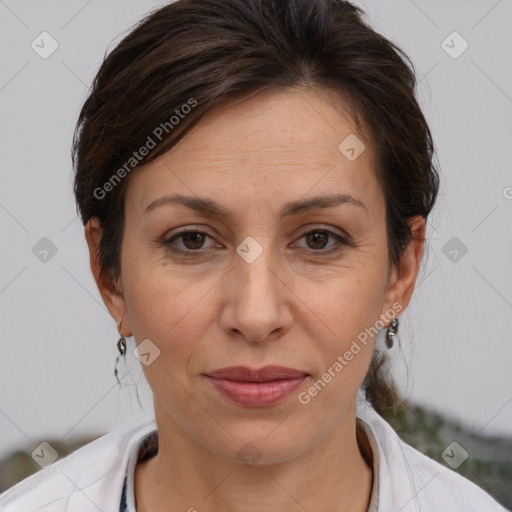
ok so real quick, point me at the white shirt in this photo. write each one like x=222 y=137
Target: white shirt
x=91 y=478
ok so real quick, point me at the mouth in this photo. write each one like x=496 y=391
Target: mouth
x=251 y=387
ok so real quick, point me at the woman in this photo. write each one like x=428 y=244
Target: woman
x=254 y=178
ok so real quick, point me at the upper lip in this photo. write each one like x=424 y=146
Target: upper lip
x=265 y=374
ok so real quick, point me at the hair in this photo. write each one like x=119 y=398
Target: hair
x=189 y=56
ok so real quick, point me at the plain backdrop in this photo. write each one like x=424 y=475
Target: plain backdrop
x=58 y=340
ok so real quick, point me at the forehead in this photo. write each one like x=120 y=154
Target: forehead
x=277 y=145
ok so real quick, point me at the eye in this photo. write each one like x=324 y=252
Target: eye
x=317 y=240
x=191 y=240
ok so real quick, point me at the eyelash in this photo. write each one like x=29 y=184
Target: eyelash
x=199 y=252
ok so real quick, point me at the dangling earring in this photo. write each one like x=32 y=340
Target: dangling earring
x=121 y=343
x=121 y=346
x=391 y=332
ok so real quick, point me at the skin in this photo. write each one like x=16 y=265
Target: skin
x=292 y=306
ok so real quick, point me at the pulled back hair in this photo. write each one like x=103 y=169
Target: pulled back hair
x=201 y=53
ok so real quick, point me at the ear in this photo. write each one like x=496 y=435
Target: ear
x=114 y=301
x=403 y=276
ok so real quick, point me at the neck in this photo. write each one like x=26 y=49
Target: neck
x=335 y=475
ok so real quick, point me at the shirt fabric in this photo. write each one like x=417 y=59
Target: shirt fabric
x=92 y=477
x=146 y=448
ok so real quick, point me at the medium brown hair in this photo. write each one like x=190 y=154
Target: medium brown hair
x=203 y=52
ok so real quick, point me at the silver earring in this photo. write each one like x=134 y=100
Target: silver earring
x=121 y=346
x=121 y=342
x=391 y=332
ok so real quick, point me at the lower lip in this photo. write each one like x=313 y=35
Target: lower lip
x=257 y=394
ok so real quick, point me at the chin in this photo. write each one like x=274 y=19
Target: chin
x=261 y=443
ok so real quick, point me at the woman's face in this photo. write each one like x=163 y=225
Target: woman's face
x=267 y=282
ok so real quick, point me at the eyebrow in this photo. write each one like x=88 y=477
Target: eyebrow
x=212 y=208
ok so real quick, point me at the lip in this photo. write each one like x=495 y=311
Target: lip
x=252 y=387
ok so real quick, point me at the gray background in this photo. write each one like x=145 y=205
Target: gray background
x=58 y=340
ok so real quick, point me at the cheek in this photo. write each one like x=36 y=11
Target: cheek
x=347 y=303
x=345 y=349
x=171 y=310
x=348 y=308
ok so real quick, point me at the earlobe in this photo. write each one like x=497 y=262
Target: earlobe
x=110 y=293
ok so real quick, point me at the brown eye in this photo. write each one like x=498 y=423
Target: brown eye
x=190 y=242
x=193 y=239
x=317 y=239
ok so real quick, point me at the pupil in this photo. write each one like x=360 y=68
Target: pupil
x=318 y=237
x=196 y=238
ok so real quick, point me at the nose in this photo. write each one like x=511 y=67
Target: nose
x=257 y=304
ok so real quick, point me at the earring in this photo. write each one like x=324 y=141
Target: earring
x=121 y=346
x=121 y=343
x=391 y=332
